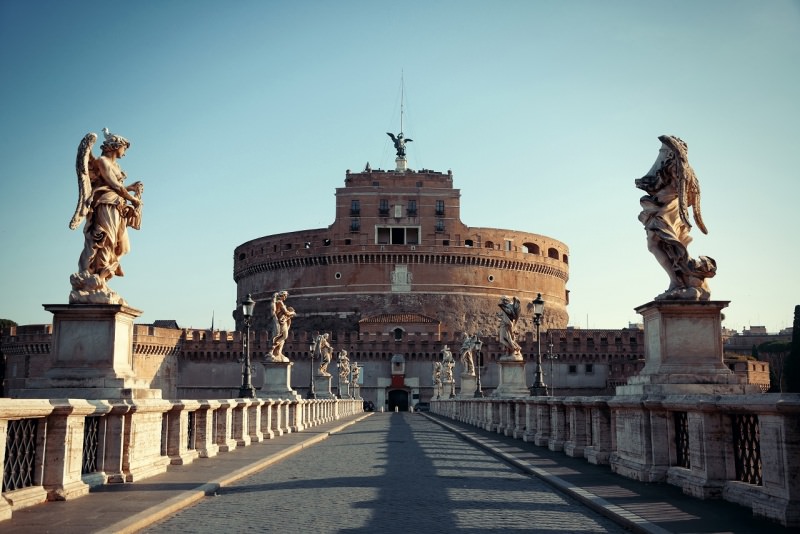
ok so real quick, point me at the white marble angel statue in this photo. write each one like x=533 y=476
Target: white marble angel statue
x=509 y=314
x=324 y=351
x=109 y=208
x=672 y=188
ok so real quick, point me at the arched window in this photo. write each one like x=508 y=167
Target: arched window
x=488 y=244
x=565 y=258
x=398 y=333
x=552 y=253
x=531 y=248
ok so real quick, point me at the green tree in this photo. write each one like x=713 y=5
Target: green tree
x=6 y=323
x=792 y=369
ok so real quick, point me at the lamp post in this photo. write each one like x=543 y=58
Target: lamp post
x=311 y=393
x=551 y=357
x=478 y=392
x=247 y=391
x=538 y=387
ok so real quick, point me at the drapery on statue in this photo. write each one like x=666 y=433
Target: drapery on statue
x=437 y=378
x=448 y=363
x=509 y=315
x=672 y=188
x=281 y=319
x=469 y=347
x=109 y=207
x=324 y=351
x=399 y=143
x=344 y=367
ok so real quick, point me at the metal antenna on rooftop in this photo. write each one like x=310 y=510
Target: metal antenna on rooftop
x=402 y=95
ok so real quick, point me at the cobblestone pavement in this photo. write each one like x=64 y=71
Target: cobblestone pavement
x=397 y=472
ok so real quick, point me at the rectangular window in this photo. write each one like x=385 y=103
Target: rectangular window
x=355 y=208
x=439 y=225
x=355 y=225
x=398 y=211
x=440 y=208
x=412 y=208
x=589 y=368
x=383 y=209
x=573 y=369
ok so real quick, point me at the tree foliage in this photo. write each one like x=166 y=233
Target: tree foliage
x=6 y=323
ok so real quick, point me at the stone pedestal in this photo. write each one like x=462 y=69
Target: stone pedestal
x=469 y=385
x=357 y=391
x=512 y=380
x=91 y=355
x=683 y=351
x=278 y=381
x=322 y=386
x=344 y=390
x=401 y=164
x=448 y=389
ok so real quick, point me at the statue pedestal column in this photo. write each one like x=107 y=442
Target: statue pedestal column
x=322 y=386
x=469 y=384
x=683 y=351
x=278 y=381
x=91 y=355
x=344 y=389
x=512 y=379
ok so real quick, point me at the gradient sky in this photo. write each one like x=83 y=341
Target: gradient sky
x=244 y=117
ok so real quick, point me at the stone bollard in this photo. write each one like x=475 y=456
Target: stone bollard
x=381 y=409
x=396 y=409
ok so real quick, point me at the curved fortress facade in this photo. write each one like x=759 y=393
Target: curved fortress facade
x=398 y=258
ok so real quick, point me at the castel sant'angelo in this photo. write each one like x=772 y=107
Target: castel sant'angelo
x=399 y=259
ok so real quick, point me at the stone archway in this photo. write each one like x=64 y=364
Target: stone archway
x=397 y=398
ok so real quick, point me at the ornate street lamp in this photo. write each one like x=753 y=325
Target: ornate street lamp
x=312 y=394
x=538 y=387
x=478 y=391
x=247 y=391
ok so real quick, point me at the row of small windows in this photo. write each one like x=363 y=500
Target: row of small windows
x=384 y=211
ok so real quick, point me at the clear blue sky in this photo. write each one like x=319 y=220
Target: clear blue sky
x=244 y=117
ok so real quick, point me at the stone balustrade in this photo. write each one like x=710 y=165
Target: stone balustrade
x=57 y=449
x=741 y=448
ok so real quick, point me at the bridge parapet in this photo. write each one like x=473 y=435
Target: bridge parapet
x=57 y=449
x=740 y=448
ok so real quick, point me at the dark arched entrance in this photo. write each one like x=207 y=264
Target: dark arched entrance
x=398 y=398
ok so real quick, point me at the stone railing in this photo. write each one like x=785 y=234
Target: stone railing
x=59 y=449
x=741 y=448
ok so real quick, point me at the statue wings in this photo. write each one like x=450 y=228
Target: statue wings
x=82 y=162
x=688 y=186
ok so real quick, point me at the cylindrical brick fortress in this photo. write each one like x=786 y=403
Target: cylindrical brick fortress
x=397 y=247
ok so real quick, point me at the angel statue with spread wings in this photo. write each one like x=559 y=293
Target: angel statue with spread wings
x=109 y=208
x=672 y=188
x=399 y=143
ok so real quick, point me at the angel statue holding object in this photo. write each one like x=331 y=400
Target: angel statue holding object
x=109 y=208
x=672 y=188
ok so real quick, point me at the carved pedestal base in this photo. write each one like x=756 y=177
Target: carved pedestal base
x=512 y=380
x=278 y=381
x=322 y=386
x=469 y=385
x=91 y=355
x=683 y=351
